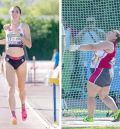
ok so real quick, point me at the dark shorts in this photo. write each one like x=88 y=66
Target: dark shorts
x=101 y=76
x=15 y=61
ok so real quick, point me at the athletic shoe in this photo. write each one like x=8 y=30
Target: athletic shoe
x=24 y=114
x=14 y=120
x=116 y=116
x=88 y=119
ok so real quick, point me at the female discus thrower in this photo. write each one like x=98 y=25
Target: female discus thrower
x=17 y=36
x=101 y=73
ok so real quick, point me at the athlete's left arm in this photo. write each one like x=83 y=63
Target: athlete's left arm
x=104 y=45
x=26 y=39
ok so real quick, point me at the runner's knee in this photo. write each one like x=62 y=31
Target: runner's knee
x=11 y=90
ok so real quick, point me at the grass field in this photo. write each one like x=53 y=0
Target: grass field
x=83 y=113
x=92 y=128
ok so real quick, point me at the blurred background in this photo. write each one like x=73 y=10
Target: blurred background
x=42 y=17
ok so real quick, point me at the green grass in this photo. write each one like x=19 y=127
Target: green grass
x=92 y=128
x=83 y=113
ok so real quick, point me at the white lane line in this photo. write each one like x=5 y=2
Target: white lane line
x=38 y=116
x=44 y=122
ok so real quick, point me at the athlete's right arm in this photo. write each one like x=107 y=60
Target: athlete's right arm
x=5 y=27
x=2 y=41
x=104 y=45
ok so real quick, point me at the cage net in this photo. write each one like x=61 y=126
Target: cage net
x=86 y=21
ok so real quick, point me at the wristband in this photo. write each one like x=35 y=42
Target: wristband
x=21 y=34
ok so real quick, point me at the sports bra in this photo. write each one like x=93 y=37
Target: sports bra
x=13 y=39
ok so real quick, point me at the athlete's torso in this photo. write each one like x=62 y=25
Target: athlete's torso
x=102 y=59
x=14 y=45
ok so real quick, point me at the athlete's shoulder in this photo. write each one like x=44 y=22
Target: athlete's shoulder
x=25 y=25
x=109 y=46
